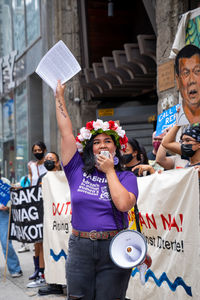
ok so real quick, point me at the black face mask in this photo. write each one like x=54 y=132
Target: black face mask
x=49 y=165
x=186 y=150
x=39 y=156
x=126 y=158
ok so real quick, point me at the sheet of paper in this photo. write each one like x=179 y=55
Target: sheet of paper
x=57 y=64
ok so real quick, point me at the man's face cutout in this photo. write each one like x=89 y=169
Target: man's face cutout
x=188 y=81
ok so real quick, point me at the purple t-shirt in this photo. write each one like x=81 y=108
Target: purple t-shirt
x=90 y=200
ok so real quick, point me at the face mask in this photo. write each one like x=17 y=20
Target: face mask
x=49 y=165
x=186 y=150
x=39 y=156
x=126 y=158
x=156 y=145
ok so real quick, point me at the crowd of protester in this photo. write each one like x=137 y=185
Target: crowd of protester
x=134 y=159
x=101 y=151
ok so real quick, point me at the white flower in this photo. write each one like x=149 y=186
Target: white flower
x=120 y=132
x=79 y=147
x=85 y=134
x=98 y=124
x=105 y=126
x=81 y=138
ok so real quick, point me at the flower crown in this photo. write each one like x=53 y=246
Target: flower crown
x=97 y=127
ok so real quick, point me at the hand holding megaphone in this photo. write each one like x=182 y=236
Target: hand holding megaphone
x=143 y=268
x=128 y=249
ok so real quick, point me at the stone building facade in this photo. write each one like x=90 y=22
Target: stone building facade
x=93 y=37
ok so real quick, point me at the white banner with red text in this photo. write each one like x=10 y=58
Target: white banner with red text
x=169 y=215
x=57 y=226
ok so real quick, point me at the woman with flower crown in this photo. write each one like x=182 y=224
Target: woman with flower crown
x=101 y=196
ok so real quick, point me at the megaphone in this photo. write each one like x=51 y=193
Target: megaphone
x=128 y=249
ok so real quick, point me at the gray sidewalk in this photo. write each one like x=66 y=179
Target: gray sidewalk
x=15 y=288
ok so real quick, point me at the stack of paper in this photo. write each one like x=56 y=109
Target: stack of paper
x=57 y=64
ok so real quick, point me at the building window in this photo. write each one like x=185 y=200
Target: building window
x=8 y=120
x=7 y=144
x=5 y=27
x=19 y=25
x=32 y=20
x=21 y=109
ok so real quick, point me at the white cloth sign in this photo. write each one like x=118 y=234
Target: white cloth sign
x=57 y=226
x=169 y=208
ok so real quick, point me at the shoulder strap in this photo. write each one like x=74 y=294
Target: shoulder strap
x=40 y=179
x=137 y=219
x=25 y=179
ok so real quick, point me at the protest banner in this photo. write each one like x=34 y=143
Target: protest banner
x=26 y=224
x=4 y=193
x=169 y=215
x=57 y=226
x=166 y=119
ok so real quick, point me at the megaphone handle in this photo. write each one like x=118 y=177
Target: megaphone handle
x=142 y=269
x=114 y=209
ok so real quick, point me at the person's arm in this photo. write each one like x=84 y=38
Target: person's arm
x=122 y=199
x=169 y=140
x=141 y=168
x=165 y=161
x=3 y=207
x=29 y=172
x=68 y=142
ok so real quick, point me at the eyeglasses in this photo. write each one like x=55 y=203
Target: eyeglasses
x=187 y=140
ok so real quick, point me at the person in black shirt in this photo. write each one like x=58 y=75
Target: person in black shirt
x=135 y=159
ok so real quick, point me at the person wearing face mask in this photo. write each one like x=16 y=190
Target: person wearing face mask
x=51 y=163
x=189 y=146
x=156 y=141
x=36 y=169
x=134 y=159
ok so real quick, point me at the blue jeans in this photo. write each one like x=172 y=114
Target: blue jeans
x=91 y=274
x=12 y=259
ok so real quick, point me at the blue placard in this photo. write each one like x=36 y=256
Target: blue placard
x=4 y=193
x=166 y=119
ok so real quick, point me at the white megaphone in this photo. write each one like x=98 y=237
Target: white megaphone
x=128 y=249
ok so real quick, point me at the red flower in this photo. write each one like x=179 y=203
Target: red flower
x=112 y=125
x=77 y=139
x=124 y=140
x=89 y=125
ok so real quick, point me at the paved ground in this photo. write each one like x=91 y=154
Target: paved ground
x=15 y=288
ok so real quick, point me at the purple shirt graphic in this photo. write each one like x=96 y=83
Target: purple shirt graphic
x=90 y=200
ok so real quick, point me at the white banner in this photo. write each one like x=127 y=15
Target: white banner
x=169 y=208
x=169 y=213
x=57 y=226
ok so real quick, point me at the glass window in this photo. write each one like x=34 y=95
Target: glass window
x=21 y=109
x=8 y=120
x=5 y=27
x=1 y=141
x=32 y=20
x=19 y=25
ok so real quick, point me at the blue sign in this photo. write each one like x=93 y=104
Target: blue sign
x=166 y=119
x=4 y=193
